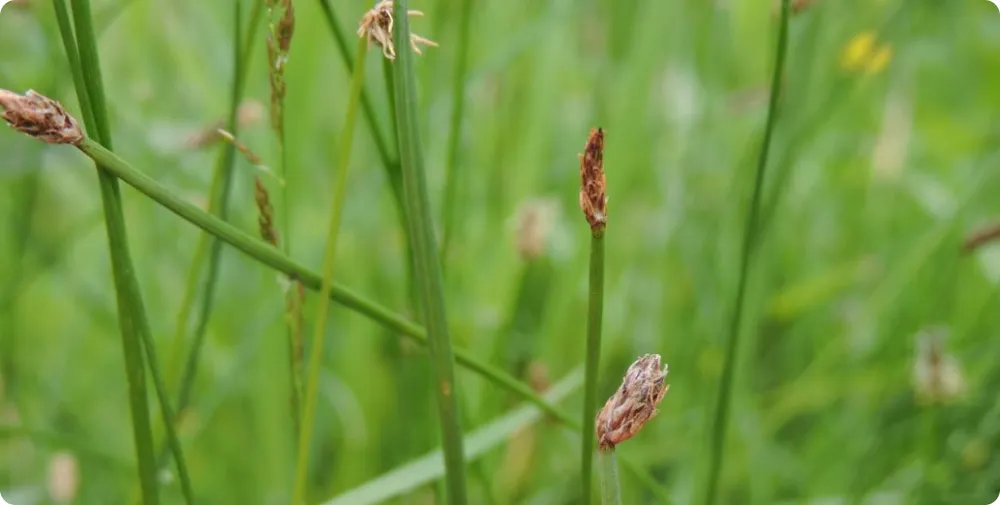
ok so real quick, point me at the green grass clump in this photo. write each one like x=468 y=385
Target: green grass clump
x=791 y=303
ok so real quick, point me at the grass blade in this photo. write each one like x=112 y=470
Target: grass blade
x=724 y=398
x=428 y=468
x=428 y=266
x=319 y=325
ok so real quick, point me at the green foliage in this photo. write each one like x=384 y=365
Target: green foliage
x=874 y=180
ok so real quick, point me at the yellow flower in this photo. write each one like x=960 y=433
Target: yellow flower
x=864 y=54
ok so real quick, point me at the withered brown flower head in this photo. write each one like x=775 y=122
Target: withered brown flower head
x=634 y=404
x=593 y=199
x=40 y=116
x=377 y=23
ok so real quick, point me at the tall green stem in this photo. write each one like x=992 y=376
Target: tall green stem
x=455 y=125
x=611 y=491
x=720 y=420
x=426 y=260
x=595 y=316
x=219 y=200
x=83 y=57
x=322 y=307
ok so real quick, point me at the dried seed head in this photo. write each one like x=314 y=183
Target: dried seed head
x=634 y=404
x=377 y=24
x=265 y=213
x=281 y=27
x=41 y=117
x=593 y=199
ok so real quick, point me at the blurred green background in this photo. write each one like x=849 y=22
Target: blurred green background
x=884 y=159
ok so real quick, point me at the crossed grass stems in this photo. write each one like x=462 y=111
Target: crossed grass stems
x=82 y=52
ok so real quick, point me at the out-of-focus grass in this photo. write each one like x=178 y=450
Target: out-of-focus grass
x=876 y=178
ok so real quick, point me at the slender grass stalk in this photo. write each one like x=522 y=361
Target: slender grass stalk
x=281 y=26
x=268 y=255
x=83 y=57
x=166 y=412
x=720 y=420
x=611 y=491
x=426 y=259
x=455 y=125
x=389 y=164
x=219 y=204
x=593 y=202
x=595 y=309
x=322 y=307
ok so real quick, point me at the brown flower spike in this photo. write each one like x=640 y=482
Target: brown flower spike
x=377 y=23
x=593 y=199
x=40 y=117
x=634 y=404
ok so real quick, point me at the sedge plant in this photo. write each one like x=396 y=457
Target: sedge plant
x=80 y=43
x=339 y=190
x=423 y=243
x=593 y=201
x=272 y=257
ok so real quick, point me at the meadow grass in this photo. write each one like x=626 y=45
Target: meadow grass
x=881 y=167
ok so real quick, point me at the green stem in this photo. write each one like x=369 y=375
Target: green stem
x=455 y=126
x=611 y=491
x=426 y=260
x=724 y=398
x=322 y=307
x=219 y=204
x=240 y=61
x=266 y=254
x=90 y=93
x=595 y=316
x=391 y=166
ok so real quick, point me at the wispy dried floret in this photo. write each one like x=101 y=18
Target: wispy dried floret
x=634 y=404
x=593 y=199
x=40 y=116
x=377 y=24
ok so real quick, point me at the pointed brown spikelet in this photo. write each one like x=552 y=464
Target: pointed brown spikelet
x=634 y=404
x=593 y=199
x=265 y=218
x=40 y=117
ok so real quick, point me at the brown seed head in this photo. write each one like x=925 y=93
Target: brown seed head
x=377 y=24
x=265 y=213
x=41 y=117
x=634 y=404
x=593 y=199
